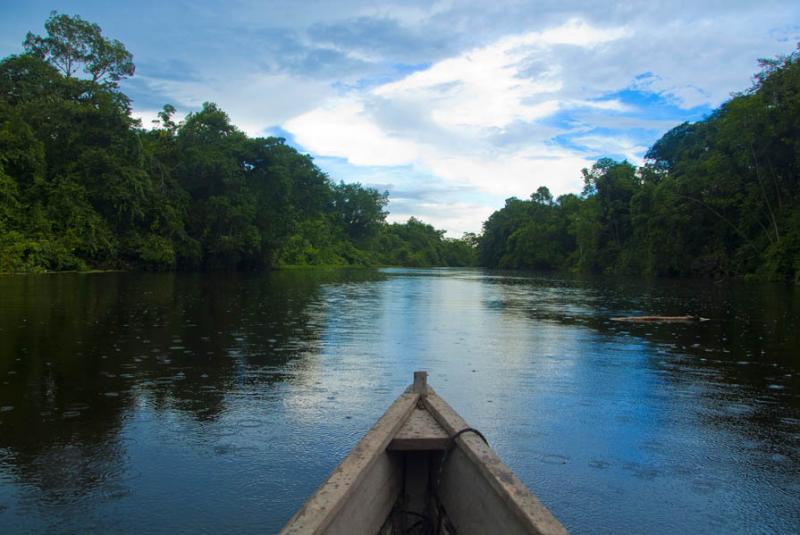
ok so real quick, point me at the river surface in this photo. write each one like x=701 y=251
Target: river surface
x=207 y=403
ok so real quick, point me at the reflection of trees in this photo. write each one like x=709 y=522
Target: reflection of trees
x=743 y=363
x=77 y=352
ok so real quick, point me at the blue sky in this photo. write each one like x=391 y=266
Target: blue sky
x=451 y=106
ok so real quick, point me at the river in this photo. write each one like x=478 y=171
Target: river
x=178 y=403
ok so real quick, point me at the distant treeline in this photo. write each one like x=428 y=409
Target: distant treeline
x=717 y=197
x=83 y=185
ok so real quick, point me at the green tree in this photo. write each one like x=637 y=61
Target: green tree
x=360 y=210
x=73 y=44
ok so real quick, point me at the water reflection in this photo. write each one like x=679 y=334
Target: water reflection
x=131 y=402
x=82 y=355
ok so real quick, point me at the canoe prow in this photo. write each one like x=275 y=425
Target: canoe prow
x=422 y=469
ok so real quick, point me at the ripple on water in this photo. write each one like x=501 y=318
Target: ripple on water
x=163 y=381
x=224 y=449
x=116 y=492
x=248 y=423
x=554 y=458
x=221 y=430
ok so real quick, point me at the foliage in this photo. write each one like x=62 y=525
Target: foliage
x=717 y=197
x=83 y=185
x=72 y=42
x=418 y=244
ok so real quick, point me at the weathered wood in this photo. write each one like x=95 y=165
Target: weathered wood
x=420 y=382
x=371 y=502
x=353 y=476
x=420 y=432
x=497 y=490
x=478 y=492
x=471 y=503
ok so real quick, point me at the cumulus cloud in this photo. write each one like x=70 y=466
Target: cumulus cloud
x=465 y=102
x=341 y=128
x=524 y=110
x=487 y=87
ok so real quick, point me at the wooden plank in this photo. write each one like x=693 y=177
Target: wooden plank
x=471 y=503
x=531 y=515
x=346 y=480
x=420 y=432
x=369 y=506
x=420 y=385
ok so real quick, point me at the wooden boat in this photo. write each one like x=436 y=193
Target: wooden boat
x=422 y=469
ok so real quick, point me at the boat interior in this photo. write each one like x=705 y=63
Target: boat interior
x=422 y=470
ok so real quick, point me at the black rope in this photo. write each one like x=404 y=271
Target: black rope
x=468 y=430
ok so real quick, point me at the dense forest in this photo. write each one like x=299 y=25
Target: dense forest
x=84 y=185
x=719 y=197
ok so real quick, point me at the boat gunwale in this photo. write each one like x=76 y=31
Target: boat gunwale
x=515 y=494
x=322 y=508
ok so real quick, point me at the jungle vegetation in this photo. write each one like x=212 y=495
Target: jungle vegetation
x=84 y=185
x=718 y=197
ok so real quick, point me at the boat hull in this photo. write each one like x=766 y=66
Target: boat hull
x=422 y=469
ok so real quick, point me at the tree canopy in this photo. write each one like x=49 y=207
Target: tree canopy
x=83 y=185
x=73 y=44
x=717 y=197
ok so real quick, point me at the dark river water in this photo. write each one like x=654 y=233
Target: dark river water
x=192 y=403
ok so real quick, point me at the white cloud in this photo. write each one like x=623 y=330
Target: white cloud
x=515 y=174
x=451 y=111
x=253 y=102
x=486 y=87
x=342 y=129
x=456 y=217
x=628 y=148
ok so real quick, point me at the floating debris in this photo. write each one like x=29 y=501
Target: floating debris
x=660 y=319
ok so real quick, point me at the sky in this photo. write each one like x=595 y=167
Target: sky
x=450 y=106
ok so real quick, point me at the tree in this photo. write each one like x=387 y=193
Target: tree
x=82 y=184
x=360 y=210
x=542 y=196
x=73 y=44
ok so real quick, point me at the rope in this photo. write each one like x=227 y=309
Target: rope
x=442 y=514
x=467 y=430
